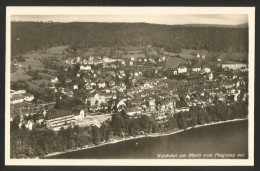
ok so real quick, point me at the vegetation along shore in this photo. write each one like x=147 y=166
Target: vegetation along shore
x=121 y=127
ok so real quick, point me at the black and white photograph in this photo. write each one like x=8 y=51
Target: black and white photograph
x=153 y=86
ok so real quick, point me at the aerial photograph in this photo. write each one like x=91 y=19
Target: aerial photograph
x=129 y=86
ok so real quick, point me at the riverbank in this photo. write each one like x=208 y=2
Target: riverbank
x=141 y=136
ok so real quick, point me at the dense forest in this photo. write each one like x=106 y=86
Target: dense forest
x=25 y=143
x=28 y=36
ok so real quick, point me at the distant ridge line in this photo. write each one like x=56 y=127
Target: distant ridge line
x=244 y=25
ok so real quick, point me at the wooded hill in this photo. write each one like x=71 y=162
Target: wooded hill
x=28 y=36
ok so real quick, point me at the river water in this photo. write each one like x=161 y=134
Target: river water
x=228 y=139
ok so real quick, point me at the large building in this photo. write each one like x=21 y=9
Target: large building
x=59 y=119
x=133 y=111
x=20 y=96
x=233 y=65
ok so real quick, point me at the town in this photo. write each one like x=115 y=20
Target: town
x=130 y=86
x=90 y=90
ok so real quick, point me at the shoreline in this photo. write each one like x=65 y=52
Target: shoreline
x=143 y=136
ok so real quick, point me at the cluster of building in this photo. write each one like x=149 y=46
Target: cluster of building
x=234 y=65
x=107 y=86
x=197 y=69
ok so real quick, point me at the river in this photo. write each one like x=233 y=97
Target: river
x=226 y=139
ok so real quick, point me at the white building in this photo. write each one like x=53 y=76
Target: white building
x=60 y=119
x=101 y=85
x=20 y=96
x=210 y=76
x=29 y=98
x=85 y=68
x=133 y=111
x=75 y=87
x=234 y=65
x=120 y=104
x=196 y=69
x=206 y=69
x=136 y=74
x=78 y=59
x=15 y=101
x=147 y=85
x=29 y=125
x=13 y=92
x=80 y=115
x=108 y=60
x=164 y=58
x=182 y=69
x=54 y=80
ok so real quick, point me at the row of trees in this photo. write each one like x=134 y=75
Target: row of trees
x=37 y=142
x=28 y=36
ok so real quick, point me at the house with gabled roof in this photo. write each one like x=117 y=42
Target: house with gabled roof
x=29 y=125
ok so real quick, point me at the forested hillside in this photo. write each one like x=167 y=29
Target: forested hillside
x=28 y=36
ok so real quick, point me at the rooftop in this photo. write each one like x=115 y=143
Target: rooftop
x=232 y=62
x=132 y=109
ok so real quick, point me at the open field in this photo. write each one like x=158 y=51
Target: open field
x=195 y=52
x=134 y=51
x=174 y=62
x=59 y=50
x=192 y=54
x=228 y=56
x=19 y=74
x=42 y=81
x=89 y=52
x=185 y=54
x=45 y=76
x=128 y=56
x=33 y=85
x=34 y=63
x=37 y=84
x=33 y=60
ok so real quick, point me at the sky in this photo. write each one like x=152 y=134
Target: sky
x=216 y=19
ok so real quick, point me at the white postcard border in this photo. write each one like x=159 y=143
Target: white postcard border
x=250 y=11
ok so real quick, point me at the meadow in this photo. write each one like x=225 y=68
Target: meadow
x=33 y=62
x=174 y=62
